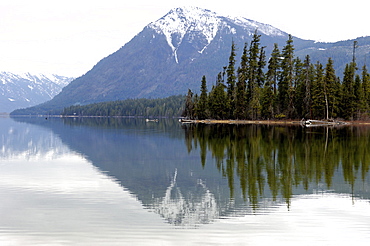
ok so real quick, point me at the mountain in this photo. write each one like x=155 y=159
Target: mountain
x=170 y=55
x=26 y=90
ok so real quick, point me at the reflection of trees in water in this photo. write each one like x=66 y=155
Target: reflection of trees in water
x=282 y=157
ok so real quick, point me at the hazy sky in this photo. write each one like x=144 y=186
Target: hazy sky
x=69 y=37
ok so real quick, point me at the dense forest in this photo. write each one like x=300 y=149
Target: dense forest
x=282 y=87
x=166 y=107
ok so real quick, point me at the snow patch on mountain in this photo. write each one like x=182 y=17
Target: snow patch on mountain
x=253 y=25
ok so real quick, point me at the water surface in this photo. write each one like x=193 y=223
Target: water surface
x=112 y=181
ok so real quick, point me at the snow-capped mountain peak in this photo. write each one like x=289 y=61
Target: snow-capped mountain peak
x=180 y=21
x=197 y=21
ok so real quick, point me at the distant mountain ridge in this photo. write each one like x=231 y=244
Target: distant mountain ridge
x=170 y=55
x=26 y=89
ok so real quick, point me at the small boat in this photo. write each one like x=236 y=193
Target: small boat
x=186 y=121
x=313 y=123
x=151 y=120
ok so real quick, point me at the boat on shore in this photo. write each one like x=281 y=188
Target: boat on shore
x=315 y=123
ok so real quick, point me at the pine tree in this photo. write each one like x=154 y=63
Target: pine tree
x=348 y=95
x=366 y=87
x=300 y=87
x=253 y=83
x=267 y=101
x=272 y=76
x=359 y=96
x=241 y=96
x=318 y=93
x=202 y=105
x=231 y=80
x=189 y=106
x=286 y=87
x=331 y=90
x=308 y=73
x=218 y=100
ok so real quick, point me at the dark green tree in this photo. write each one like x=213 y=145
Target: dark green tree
x=331 y=91
x=218 y=100
x=272 y=75
x=300 y=87
x=286 y=86
x=202 y=104
x=241 y=84
x=231 y=81
x=366 y=87
x=253 y=77
x=318 y=93
x=189 y=106
x=347 y=93
x=359 y=102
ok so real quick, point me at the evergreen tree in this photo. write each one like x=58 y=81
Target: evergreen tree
x=366 y=87
x=308 y=74
x=272 y=76
x=347 y=92
x=253 y=83
x=286 y=87
x=300 y=87
x=231 y=80
x=241 y=96
x=318 y=93
x=218 y=100
x=359 y=96
x=202 y=105
x=267 y=101
x=331 y=90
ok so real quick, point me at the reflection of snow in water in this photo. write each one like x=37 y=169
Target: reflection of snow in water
x=195 y=207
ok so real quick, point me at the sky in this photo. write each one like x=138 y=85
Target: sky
x=69 y=37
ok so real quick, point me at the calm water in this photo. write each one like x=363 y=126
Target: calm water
x=131 y=182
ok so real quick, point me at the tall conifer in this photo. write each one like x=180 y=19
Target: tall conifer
x=231 y=80
x=366 y=86
x=241 y=84
x=318 y=93
x=348 y=95
x=286 y=87
x=202 y=104
x=331 y=90
x=253 y=83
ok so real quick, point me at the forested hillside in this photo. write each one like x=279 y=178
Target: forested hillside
x=165 y=107
x=282 y=87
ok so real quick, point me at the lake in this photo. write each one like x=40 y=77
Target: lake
x=117 y=181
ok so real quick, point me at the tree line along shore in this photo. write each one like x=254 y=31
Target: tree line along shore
x=284 y=87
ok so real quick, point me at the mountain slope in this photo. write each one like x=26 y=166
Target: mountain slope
x=25 y=90
x=171 y=55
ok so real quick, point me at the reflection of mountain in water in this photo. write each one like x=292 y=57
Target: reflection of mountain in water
x=28 y=141
x=187 y=208
x=220 y=170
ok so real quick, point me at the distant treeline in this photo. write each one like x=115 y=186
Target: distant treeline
x=165 y=107
x=282 y=87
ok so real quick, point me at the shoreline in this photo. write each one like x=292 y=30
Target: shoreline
x=270 y=122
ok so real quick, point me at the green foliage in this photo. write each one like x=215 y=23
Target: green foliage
x=289 y=88
x=164 y=107
x=201 y=109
